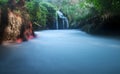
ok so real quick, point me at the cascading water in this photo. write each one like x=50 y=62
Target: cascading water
x=61 y=21
x=67 y=23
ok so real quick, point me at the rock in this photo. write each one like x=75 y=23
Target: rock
x=15 y=23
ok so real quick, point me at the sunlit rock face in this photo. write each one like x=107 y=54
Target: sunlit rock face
x=12 y=30
x=15 y=24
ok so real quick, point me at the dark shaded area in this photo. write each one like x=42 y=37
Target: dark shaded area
x=102 y=25
x=112 y=24
x=3 y=22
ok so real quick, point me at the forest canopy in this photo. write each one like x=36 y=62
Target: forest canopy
x=78 y=12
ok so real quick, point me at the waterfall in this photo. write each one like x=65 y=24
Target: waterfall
x=67 y=23
x=61 y=21
x=63 y=24
x=56 y=25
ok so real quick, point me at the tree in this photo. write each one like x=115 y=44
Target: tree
x=43 y=15
x=104 y=6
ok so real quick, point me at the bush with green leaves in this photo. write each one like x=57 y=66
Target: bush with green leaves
x=104 y=6
x=51 y=15
x=37 y=13
x=3 y=2
x=75 y=10
x=41 y=13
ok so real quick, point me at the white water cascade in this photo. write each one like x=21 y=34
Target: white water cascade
x=61 y=21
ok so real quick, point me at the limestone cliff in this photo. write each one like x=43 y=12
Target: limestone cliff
x=15 y=22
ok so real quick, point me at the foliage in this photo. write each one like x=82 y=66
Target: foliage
x=77 y=10
x=37 y=13
x=3 y=2
x=74 y=9
x=41 y=12
x=104 y=6
x=51 y=15
x=106 y=19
